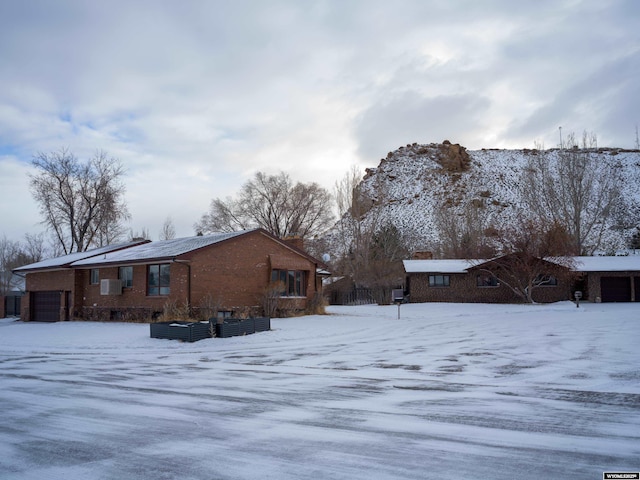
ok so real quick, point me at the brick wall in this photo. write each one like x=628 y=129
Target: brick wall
x=54 y=280
x=463 y=288
x=236 y=273
x=134 y=296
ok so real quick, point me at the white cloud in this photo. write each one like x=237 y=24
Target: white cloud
x=197 y=96
x=18 y=214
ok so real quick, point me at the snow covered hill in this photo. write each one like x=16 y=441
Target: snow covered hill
x=412 y=182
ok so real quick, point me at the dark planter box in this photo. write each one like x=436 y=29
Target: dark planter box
x=227 y=329
x=159 y=330
x=185 y=331
x=194 y=331
x=262 y=324
x=233 y=327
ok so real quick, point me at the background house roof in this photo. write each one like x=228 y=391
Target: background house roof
x=607 y=264
x=438 y=266
x=163 y=249
x=582 y=264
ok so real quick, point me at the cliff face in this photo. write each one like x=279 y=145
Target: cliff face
x=414 y=181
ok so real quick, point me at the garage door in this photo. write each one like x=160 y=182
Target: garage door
x=636 y=283
x=615 y=289
x=45 y=306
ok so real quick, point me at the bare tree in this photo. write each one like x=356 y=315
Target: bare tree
x=272 y=202
x=463 y=235
x=111 y=229
x=168 y=231
x=34 y=247
x=137 y=235
x=14 y=254
x=387 y=251
x=345 y=191
x=369 y=248
x=353 y=234
x=223 y=216
x=9 y=259
x=574 y=188
x=82 y=203
x=533 y=254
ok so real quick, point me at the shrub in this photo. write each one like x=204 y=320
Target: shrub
x=174 y=311
x=271 y=298
x=208 y=307
x=317 y=305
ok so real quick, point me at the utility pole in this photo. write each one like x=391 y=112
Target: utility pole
x=560 y=128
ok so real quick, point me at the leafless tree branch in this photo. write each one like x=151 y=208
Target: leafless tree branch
x=82 y=204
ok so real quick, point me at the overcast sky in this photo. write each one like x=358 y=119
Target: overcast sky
x=194 y=97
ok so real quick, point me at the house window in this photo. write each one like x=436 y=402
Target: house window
x=95 y=276
x=126 y=276
x=158 y=279
x=487 y=281
x=438 y=280
x=293 y=282
x=546 y=281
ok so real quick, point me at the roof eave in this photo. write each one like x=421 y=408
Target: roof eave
x=123 y=263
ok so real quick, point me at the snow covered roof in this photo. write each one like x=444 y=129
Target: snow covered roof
x=582 y=264
x=143 y=251
x=163 y=249
x=607 y=264
x=438 y=266
x=67 y=260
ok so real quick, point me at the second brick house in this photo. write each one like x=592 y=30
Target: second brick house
x=599 y=279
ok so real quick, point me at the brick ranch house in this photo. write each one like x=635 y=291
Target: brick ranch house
x=601 y=279
x=223 y=272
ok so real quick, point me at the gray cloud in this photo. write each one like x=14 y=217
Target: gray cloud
x=208 y=92
x=412 y=118
x=605 y=102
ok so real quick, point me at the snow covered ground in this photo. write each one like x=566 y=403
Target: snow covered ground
x=447 y=391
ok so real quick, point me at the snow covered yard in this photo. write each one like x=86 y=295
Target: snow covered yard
x=447 y=391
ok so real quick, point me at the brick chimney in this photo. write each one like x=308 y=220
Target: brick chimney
x=422 y=256
x=295 y=241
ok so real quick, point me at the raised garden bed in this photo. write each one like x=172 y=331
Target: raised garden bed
x=194 y=331
x=185 y=331
x=233 y=327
